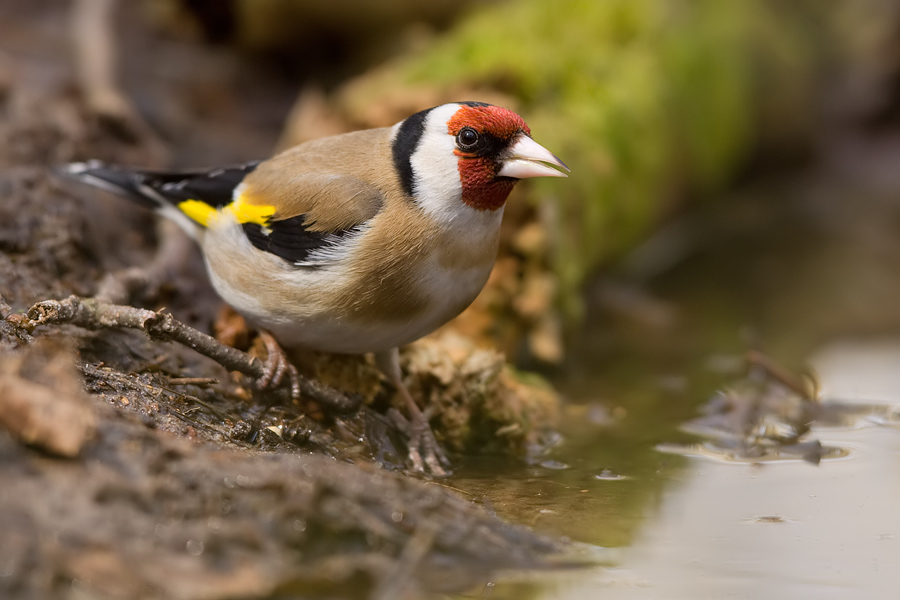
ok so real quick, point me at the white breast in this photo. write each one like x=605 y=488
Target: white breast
x=318 y=326
x=296 y=304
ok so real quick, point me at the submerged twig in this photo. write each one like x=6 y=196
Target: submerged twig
x=95 y=314
x=805 y=388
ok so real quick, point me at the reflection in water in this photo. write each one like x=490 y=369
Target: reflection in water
x=766 y=416
x=789 y=529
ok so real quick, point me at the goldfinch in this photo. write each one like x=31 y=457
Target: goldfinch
x=355 y=243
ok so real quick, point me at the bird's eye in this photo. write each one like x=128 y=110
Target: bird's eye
x=467 y=138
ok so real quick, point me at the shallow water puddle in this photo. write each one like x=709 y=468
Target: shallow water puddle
x=701 y=527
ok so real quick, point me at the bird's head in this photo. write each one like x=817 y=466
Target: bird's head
x=467 y=154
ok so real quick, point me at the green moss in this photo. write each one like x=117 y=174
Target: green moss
x=642 y=98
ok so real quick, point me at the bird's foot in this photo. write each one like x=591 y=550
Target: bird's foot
x=424 y=447
x=277 y=367
x=424 y=453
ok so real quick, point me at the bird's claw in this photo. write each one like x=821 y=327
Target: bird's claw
x=277 y=367
x=423 y=451
x=424 y=446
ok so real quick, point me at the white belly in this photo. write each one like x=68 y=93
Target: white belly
x=449 y=293
x=293 y=303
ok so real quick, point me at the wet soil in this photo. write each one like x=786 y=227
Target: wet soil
x=144 y=512
x=138 y=469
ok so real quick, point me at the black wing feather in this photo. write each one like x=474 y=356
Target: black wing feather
x=214 y=187
x=290 y=239
x=151 y=188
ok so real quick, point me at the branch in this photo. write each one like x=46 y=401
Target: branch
x=96 y=314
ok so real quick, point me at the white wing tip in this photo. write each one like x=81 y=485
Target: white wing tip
x=79 y=168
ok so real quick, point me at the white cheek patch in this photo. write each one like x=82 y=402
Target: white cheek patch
x=436 y=183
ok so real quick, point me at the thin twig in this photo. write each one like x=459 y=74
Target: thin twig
x=198 y=381
x=191 y=421
x=95 y=314
x=786 y=378
x=222 y=415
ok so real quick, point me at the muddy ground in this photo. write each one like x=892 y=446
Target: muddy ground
x=134 y=468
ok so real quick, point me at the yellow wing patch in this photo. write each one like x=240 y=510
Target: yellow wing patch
x=198 y=211
x=243 y=212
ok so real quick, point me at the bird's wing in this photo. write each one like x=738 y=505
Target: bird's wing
x=305 y=199
x=311 y=197
x=290 y=216
x=163 y=190
x=322 y=210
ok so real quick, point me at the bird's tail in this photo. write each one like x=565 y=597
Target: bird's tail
x=177 y=195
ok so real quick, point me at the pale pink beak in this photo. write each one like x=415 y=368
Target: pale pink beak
x=527 y=159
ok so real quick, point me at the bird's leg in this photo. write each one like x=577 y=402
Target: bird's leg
x=423 y=447
x=277 y=366
x=422 y=444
